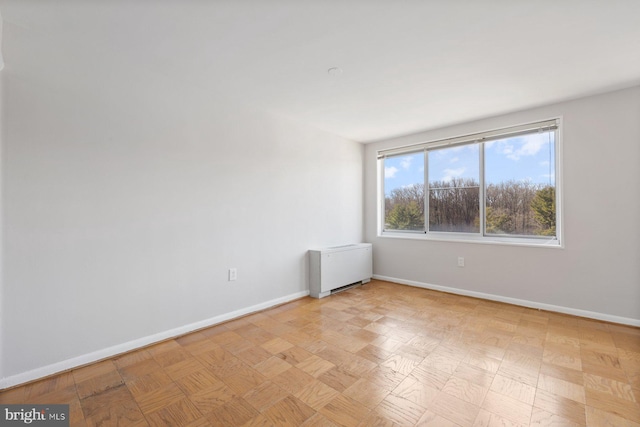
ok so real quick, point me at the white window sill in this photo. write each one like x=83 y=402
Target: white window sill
x=472 y=238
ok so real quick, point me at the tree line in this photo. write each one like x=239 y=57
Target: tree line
x=512 y=207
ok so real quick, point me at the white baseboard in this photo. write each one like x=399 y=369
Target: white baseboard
x=516 y=301
x=105 y=353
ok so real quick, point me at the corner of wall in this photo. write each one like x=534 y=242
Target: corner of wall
x=2 y=346
x=1 y=58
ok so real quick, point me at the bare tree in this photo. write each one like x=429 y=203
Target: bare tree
x=512 y=207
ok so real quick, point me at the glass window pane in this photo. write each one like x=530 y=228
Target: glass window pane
x=404 y=192
x=520 y=185
x=454 y=189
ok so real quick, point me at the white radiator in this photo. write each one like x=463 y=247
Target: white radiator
x=336 y=267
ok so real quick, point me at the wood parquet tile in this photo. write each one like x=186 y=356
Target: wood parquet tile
x=377 y=355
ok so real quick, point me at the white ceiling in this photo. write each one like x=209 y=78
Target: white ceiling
x=407 y=65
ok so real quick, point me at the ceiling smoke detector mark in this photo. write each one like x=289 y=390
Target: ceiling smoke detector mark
x=334 y=71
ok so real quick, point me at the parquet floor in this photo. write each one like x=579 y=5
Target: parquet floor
x=378 y=355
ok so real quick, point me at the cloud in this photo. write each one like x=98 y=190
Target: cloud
x=449 y=174
x=507 y=150
x=390 y=171
x=544 y=163
x=406 y=162
x=530 y=147
x=515 y=148
x=454 y=160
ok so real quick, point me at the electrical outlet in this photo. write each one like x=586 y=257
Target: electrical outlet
x=233 y=274
x=460 y=261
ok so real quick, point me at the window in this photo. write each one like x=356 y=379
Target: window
x=493 y=186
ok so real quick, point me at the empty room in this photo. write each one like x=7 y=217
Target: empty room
x=320 y=213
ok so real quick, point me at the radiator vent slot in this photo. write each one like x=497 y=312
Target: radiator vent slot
x=346 y=287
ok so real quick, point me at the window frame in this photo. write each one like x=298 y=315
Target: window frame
x=557 y=241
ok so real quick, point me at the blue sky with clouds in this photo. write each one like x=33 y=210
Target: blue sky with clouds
x=523 y=158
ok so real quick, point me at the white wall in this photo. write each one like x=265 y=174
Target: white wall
x=598 y=272
x=1 y=210
x=126 y=199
